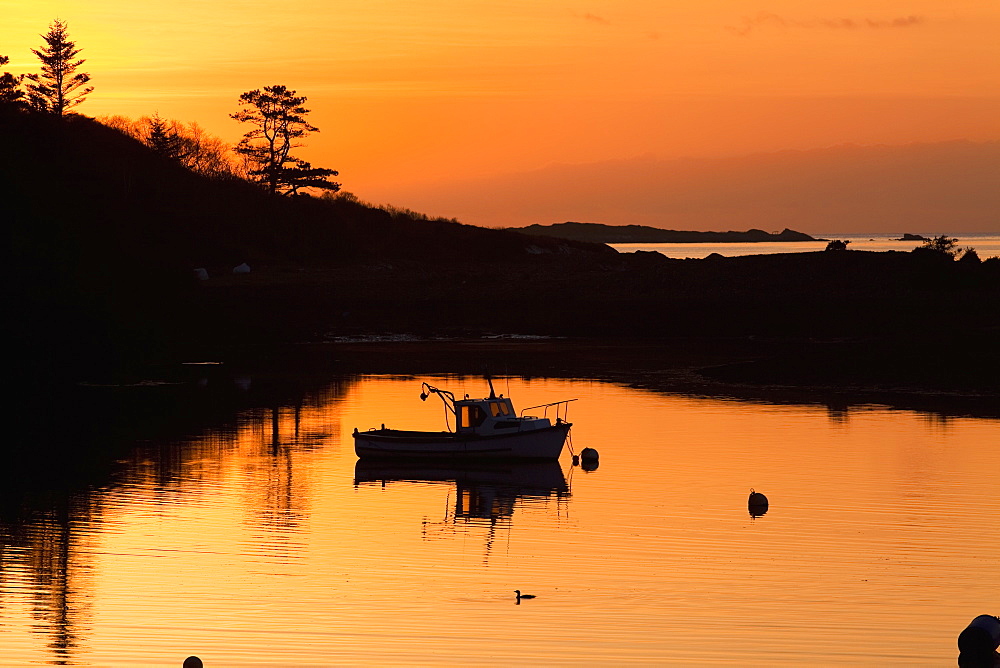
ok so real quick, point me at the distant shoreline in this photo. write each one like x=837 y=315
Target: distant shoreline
x=626 y=234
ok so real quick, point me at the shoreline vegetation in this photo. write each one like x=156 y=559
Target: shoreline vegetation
x=122 y=259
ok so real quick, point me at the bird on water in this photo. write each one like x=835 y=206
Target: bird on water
x=520 y=595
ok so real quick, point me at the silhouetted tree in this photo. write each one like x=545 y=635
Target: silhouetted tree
x=164 y=139
x=837 y=245
x=207 y=154
x=57 y=88
x=970 y=256
x=196 y=149
x=942 y=244
x=304 y=175
x=279 y=119
x=10 y=93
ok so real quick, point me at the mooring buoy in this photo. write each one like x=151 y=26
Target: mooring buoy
x=756 y=503
x=978 y=642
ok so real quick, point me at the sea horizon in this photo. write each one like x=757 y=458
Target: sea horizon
x=986 y=245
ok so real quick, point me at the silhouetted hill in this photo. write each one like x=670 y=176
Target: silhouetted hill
x=638 y=234
x=101 y=237
x=110 y=195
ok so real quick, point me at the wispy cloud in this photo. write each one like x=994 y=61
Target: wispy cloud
x=764 y=19
x=901 y=22
x=595 y=18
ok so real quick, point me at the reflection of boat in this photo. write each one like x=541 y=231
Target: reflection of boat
x=485 y=429
x=522 y=479
x=486 y=494
x=483 y=491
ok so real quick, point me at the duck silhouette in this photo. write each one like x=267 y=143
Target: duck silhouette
x=520 y=595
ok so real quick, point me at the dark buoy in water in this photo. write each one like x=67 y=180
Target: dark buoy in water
x=576 y=460
x=978 y=643
x=756 y=504
x=589 y=459
x=193 y=662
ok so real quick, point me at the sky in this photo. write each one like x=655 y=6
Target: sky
x=436 y=93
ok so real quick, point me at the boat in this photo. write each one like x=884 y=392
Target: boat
x=487 y=428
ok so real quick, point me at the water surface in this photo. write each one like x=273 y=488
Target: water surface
x=986 y=245
x=263 y=541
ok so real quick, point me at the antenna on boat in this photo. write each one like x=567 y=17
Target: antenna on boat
x=486 y=374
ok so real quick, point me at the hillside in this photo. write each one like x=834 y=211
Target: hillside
x=101 y=239
x=639 y=234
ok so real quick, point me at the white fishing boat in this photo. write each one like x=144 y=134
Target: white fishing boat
x=484 y=429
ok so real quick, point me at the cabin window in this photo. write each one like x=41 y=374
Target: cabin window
x=498 y=408
x=470 y=416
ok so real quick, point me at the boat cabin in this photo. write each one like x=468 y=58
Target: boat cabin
x=493 y=415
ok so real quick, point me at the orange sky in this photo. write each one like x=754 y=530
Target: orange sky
x=410 y=92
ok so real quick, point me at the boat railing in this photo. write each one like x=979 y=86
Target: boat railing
x=561 y=409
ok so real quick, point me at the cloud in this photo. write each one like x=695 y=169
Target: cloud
x=596 y=19
x=901 y=22
x=763 y=19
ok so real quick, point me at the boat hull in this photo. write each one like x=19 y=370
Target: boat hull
x=538 y=444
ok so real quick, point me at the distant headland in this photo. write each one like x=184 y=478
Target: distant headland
x=642 y=234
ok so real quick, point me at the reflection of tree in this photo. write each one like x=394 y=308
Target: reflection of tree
x=938 y=421
x=161 y=443
x=839 y=412
x=39 y=553
x=275 y=495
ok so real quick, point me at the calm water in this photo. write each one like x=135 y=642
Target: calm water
x=986 y=245
x=262 y=541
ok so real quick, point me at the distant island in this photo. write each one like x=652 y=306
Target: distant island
x=912 y=237
x=642 y=234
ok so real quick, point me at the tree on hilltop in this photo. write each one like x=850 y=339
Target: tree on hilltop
x=10 y=93
x=57 y=88
x=942 y=244
x=188 y=143
x=970 y=256
x=279 y=120
x=164 y=138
